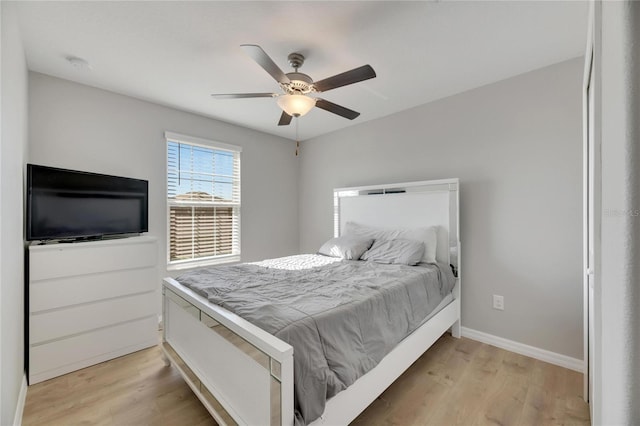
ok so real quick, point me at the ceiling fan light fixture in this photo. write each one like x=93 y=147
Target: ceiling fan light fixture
x=296 y=86
x=296 y=105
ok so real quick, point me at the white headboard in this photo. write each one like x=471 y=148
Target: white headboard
x=404 y=205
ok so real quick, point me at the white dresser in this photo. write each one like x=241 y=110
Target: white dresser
x=90 y=302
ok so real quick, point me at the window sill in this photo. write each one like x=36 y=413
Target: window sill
x=178 y=266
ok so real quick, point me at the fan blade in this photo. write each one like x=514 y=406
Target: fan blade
x=243 y=95
x=362 y=73
x=336 y=109
x=285 y=119
x=260 y=56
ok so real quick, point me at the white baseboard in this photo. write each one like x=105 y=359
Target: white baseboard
x=522 y=349
x=22 y=398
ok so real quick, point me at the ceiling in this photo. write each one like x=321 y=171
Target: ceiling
x=177 y=53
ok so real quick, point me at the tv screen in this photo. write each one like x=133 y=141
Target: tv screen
x=69 y=204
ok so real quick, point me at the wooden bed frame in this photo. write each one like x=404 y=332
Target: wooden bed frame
x=244 y=375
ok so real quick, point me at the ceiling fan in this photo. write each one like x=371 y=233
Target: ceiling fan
x=296 y=86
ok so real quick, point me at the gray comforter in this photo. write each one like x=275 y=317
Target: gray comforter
x=341 y=317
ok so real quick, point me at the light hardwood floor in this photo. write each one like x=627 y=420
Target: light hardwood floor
x=456 y=382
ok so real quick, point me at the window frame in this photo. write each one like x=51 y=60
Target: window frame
x=209 y=260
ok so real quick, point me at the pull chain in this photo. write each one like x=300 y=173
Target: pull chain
x=297 y=139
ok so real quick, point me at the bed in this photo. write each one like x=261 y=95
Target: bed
x=245 y=375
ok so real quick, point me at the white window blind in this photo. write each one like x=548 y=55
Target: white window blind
x=203 y=200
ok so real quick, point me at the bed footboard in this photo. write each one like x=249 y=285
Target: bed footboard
x=242 y=374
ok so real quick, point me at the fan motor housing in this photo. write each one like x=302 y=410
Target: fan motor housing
x=300 y=84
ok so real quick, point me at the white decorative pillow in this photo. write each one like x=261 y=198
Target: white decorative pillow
x=406 y=252
x=428 y=235
x=349 y=247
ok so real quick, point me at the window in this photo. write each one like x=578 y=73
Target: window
x=203 y=201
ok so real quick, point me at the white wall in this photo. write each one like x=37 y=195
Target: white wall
x=516 y=145
x=618 y=310
x=13 y=144
x=84 y=128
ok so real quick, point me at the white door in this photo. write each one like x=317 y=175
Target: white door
x=591 y=222
x=591 y=231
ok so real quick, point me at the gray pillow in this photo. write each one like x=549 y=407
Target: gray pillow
x=406 y=252
x=349 y=247
x=428 y=235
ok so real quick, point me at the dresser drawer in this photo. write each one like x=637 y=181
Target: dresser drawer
x=68 y=291
x=66 y=260
x=61 y=323
x=66 y=355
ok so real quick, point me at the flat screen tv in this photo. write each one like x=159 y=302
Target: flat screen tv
x=73 y=205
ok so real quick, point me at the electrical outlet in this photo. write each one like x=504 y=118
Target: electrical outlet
x=498 y=302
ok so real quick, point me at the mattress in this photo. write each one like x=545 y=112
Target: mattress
x=341 y=317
